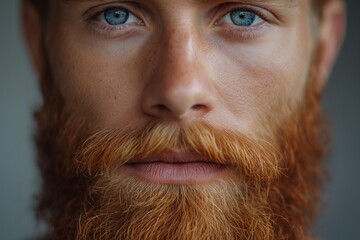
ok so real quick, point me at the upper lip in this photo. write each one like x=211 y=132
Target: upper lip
x=173 y=156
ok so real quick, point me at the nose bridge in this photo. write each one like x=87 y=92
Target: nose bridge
x=178 y=32
x=179 y=85
x=178 y=53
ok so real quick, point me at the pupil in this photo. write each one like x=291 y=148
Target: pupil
x=116 y=16
x=242 y=18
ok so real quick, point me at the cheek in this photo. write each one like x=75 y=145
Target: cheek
x=98 y=81
x=263 y=82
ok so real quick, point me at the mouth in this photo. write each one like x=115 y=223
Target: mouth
x=175 y=167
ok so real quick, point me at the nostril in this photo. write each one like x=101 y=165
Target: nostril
x=199 y=107
x=161 y=107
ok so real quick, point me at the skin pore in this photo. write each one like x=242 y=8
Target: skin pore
x=230 y=84
x=184 y=69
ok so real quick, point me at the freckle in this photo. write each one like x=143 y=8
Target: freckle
x=115 y=97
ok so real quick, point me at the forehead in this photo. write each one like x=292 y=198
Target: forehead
x=279 y=4
x=270 y=2
x=315 y=4
x=251 y=1
x=312 y=7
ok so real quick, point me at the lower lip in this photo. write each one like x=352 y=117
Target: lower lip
x=175 y=173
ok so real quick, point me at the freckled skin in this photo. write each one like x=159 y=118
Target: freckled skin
x=143 y=111
x=178 y=67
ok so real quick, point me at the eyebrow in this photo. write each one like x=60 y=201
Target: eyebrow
x=270 y=3
x=287 y=2
x=291 y=2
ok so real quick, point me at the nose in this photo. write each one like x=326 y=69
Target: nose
x=179 y=87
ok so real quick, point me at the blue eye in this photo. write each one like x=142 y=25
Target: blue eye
x=116 y=16
x=242 y=17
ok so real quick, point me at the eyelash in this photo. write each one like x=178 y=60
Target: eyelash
x=235 y=32
x=230 y=30
x=110 y=31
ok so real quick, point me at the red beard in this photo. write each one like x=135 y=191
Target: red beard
x=272 y=192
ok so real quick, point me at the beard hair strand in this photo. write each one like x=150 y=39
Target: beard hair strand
x=273 y=195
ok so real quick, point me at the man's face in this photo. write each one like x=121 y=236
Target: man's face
x=188 y=112
x=233 y=65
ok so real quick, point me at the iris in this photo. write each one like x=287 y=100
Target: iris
x=242 y=18
x=116 y=16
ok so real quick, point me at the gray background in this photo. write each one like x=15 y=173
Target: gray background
x=19 y=96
